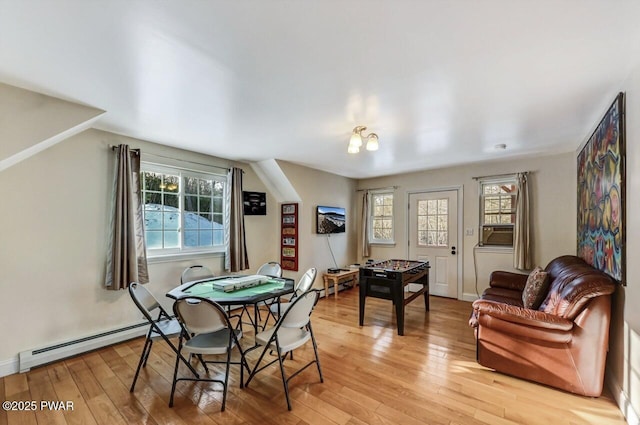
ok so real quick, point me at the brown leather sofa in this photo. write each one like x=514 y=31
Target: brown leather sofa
x=562 y=344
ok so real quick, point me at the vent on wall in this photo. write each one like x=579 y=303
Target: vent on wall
x=40 y=356
x=500 y=235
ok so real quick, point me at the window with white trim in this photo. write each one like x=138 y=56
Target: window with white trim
x=381 y=217
x=183 y=210
x=497 y=211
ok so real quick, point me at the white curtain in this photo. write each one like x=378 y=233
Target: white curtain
x=365 y=224
x=522 y=232
x=126 y=254
x=236 y=257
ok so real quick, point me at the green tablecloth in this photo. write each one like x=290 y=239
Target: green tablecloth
x=206 y=290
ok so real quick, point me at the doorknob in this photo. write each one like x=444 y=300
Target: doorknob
x=453 y=250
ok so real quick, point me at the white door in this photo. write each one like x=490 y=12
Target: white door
x=433 y=237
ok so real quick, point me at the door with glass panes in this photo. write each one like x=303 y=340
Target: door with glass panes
x=433 y=237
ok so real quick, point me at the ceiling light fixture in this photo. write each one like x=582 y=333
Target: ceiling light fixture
x=357 y=140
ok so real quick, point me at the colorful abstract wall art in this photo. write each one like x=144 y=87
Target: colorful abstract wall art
x=601 y=195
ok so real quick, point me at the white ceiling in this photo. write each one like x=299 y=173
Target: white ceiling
x=441 y=82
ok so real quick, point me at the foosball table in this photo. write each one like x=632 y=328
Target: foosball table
x=388 y=279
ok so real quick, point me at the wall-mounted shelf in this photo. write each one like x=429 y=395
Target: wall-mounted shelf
x=289 y=238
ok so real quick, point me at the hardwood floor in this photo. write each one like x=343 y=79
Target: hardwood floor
x=371 y=376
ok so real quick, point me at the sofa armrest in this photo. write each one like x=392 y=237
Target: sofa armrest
x=508 y=280
x=522 y=322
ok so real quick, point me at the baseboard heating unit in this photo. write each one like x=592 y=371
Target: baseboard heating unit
x=44 y=355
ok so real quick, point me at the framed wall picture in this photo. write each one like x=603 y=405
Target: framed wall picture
x=601 y=194
x=254 y=203
x=289 y=241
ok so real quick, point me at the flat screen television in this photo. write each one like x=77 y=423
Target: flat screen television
x=330 y=220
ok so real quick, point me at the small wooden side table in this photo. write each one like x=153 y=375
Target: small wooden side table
x=338 y=278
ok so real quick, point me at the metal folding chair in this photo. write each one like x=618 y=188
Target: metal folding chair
x=161 y=327
x=207 y=331
x=272 y=269
x=197 y=272
x=304 y=284
x=292 y=331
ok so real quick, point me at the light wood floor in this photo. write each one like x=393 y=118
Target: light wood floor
x=372 y=376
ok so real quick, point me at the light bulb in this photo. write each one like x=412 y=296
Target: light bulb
x=356 y=140
x=372 y=142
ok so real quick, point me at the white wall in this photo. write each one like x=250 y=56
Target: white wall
x=553 y=190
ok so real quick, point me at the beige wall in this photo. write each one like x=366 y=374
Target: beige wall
x=553 y=211
x=55 y=210
x=320 y=188
x=56 y=206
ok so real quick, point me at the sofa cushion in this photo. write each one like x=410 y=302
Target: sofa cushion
x=573 y=283
x=536 y=288
x=506 y=296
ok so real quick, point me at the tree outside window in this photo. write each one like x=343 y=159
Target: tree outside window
x=183 y=211
x=381 y=213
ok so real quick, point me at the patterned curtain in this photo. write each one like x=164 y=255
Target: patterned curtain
x=365 y=224
x=236 y=258
x=127 y=254
x=522 y=235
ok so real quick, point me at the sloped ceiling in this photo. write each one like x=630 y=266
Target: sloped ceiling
x=31 y=122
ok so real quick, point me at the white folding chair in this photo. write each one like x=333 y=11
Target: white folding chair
x=304 y=284
x=207 y=331
x=200 y=272
x=271 y=269
x=292 y=331
x=161 y=327
x=197 y=272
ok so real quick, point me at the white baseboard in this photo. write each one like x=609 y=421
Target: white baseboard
x=9 y=367
x=624 y=404
x=31 y=358
x=341 y=286
x=470 y=297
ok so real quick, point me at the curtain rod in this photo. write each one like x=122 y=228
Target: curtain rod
x=137 y=151
x=501 y=175
x=378 y=188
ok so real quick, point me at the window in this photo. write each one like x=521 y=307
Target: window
x=433 y=222
x=497 y=211
x=183 y=210
x=381 y=218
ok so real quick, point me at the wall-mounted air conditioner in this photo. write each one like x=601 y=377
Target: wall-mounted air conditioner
x=497 y=234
